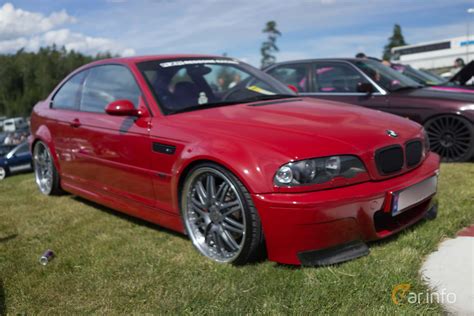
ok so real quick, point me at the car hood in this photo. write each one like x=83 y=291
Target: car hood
x=434 y=93
x=302 y=127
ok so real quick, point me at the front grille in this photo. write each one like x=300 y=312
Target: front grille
x=413 y=153
x=389 y=159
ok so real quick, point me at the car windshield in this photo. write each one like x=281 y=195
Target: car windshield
x=418 y=75
x=437 y=80
x=189 y=84
x=385 y=76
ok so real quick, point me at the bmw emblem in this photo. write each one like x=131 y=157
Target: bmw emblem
x=391 y=133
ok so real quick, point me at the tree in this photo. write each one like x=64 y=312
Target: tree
x=394 y=41
x=26 y=77
x=269 y=47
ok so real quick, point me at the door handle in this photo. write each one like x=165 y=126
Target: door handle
x=75 y=123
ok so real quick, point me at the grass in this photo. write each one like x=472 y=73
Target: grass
x=111 y=263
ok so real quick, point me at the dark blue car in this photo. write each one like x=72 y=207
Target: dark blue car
x=18 y=159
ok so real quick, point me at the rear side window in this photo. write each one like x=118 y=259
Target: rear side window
x=105 y=84
x=295 y=75
x=336 y=78
x=68 y=95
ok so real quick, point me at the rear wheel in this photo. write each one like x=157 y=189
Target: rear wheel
x=46 y=175
x=220 y=217
x=452 y=137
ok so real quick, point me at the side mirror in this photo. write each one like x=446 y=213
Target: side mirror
x=365 y=87
x=293 y=88
x=122 y=108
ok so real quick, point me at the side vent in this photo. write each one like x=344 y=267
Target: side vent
x=164 y=149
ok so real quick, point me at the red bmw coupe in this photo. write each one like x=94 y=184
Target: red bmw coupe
x=216 y=149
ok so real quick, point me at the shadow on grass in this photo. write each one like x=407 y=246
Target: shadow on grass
x=260 y=259
x=3 y=306
x=129 y=218
x=10 y=237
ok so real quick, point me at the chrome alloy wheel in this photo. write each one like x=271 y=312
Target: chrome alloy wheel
x=3 y=173
x=43 y=165
x=214 y=215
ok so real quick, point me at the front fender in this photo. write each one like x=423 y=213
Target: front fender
x=253 y=165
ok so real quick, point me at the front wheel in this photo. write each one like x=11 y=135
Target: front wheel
x=3 y=173
x=46 y=175
x=452 y=137
x=220 y=217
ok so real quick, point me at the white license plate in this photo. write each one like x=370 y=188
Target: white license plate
x=405 y=198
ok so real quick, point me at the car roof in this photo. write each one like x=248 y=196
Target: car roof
x=312 y=60
x=139 y=59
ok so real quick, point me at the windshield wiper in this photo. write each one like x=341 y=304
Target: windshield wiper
x=204 y=106
x=407 y=88
x=267 y=97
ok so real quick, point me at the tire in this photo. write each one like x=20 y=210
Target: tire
x=215 y=217
x=452 y=137
x=46 y=175
x=3 y=173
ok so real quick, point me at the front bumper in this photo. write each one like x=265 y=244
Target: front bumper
x=296 y=223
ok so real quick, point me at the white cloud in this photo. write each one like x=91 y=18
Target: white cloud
x=32 y=30
x=15 y=23
x=13 y=44
x=82 y=43
x=311 y=28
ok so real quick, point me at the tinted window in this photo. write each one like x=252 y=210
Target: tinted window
x=336 y=78
x=68 y=95
x=386 y=77
x=106 y=84
x=295 y=75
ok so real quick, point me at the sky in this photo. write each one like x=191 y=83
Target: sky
x=310 y=28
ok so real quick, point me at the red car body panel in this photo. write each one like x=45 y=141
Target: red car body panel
x=110 y=160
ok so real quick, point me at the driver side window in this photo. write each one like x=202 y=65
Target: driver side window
x=105 y=84
x=333 y=77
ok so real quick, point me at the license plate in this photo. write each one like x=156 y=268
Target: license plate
x=402 y=200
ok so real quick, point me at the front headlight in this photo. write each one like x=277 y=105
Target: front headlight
x=318 y=170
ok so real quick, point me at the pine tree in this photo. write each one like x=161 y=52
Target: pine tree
x=269 y=47
x=394 y=41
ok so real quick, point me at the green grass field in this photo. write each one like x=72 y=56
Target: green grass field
x=111 y=263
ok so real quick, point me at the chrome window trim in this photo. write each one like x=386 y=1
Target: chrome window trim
x=339 y=93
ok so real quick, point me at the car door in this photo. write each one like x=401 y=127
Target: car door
x=295 y=75
x=61 y=119
x=116 y=149
x=341 y=81
x=19 y=159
